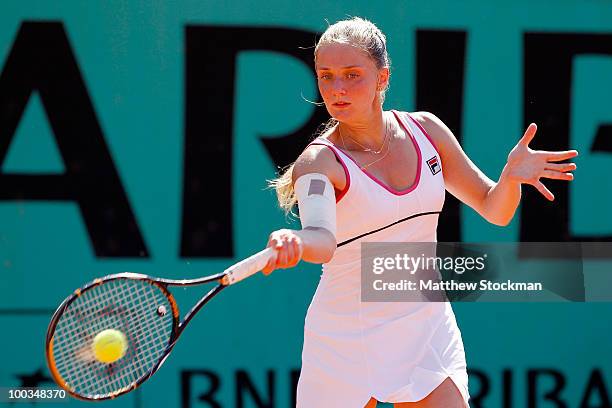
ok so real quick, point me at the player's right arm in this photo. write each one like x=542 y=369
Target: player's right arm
x=311 y=244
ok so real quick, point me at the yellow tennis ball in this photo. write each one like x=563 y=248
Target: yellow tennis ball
x=109 y=345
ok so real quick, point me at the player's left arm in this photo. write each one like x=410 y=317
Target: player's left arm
x=496 y=201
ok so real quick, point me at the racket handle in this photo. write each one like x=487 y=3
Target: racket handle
x=247 y=267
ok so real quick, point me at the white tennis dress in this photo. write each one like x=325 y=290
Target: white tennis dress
x=392 y=351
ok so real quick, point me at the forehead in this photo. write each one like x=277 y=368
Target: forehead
x=336 y=56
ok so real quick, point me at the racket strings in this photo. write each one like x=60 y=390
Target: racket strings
x=81 y=316
x=134 y=334
x=119 y=316
x=128 y=305
x=108 y=372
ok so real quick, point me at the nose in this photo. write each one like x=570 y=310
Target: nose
x=338 y=87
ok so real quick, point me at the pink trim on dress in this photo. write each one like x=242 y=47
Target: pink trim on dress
x=425 y=133
x=323 y=142
x=417 y=179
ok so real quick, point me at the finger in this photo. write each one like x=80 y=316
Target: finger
x=544 y=191
x=300 y=244
x=281 y=262
x=529 y=134
x=290 y=248
x=273 y=242
x=564 y=167
x=290 y=253
x=278 y=243
x=296 y=253
x=557 y=175
x=270 y=266
x=299 y=249
x=559 y=156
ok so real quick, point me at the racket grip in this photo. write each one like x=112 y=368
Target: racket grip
x=247 y=267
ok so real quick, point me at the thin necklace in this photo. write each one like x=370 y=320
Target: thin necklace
x=380 y=158
x=380 y=150
x=364 y=148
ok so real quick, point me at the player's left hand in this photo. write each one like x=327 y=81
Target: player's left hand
x=528 y=166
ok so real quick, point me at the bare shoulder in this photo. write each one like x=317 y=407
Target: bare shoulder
x=320 y=159
x=425 y=117
x=441 y=135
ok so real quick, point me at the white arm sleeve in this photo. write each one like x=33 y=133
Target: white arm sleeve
x=316 y=201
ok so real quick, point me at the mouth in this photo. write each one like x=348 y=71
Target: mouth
x=341 y=104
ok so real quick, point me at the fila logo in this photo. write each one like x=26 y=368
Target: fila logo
x=434 y=165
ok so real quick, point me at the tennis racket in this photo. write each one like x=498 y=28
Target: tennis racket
x=139 y=306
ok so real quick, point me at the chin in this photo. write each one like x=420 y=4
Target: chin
x=340 y=114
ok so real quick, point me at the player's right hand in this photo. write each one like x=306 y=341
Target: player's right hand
x=288 y=246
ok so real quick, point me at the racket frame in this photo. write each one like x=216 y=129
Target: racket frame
x=178 y=325
x=230 y=276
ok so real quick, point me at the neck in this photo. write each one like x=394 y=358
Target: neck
x=368 y=132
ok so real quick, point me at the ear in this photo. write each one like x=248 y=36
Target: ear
x=383 y=79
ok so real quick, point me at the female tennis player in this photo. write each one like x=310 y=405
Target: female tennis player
x=368 y=169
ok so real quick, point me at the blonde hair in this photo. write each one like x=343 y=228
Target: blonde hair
x=363 y=34
x=284 y=183
x=357 y=32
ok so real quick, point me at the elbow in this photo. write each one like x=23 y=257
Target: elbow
x=326 y=258
x=496 y=217
x=330 y=247
x=500 y=221
x=319 y=245
x=495 y=214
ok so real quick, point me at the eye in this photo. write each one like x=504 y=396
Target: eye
x=352 y=75
x=325 y=76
